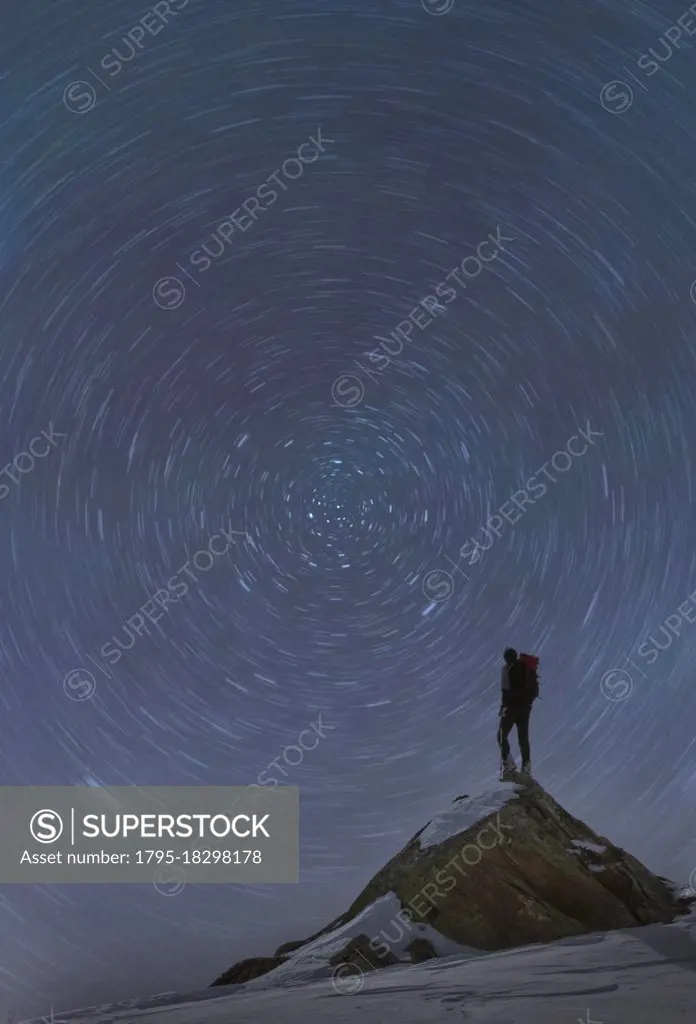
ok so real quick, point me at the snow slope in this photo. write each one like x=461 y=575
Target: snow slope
x=378 y=922
x=465 y=812
x=637 y=976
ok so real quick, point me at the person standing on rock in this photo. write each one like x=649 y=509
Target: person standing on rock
x=519 y=684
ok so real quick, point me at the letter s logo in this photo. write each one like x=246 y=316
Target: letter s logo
x=345 y=393
x=46 y=826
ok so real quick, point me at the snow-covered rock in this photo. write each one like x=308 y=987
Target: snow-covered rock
x=465 y=812
x=499 y=869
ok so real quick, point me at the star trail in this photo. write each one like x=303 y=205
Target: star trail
x=336 y=281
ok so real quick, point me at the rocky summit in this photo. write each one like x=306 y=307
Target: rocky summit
x=504 y=868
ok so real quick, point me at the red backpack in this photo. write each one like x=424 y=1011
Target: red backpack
x=528 y=684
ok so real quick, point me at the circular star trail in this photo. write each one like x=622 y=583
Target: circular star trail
x=341 y=280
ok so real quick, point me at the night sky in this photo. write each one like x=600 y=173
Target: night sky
x=188 y=384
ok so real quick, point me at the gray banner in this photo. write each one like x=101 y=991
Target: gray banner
x=164 y=835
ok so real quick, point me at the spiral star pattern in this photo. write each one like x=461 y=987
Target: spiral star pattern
x=302 y=379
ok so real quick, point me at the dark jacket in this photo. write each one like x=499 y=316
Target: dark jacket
x=507 y=695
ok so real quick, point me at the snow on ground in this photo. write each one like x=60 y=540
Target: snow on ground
x=638 y=976
x=378 y=922
x=582 y=844
x=465 y=812
x=441 y=945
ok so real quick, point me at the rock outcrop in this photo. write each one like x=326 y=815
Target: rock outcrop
x=507 y=868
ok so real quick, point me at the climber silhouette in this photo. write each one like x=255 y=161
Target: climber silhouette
x=515 y=710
